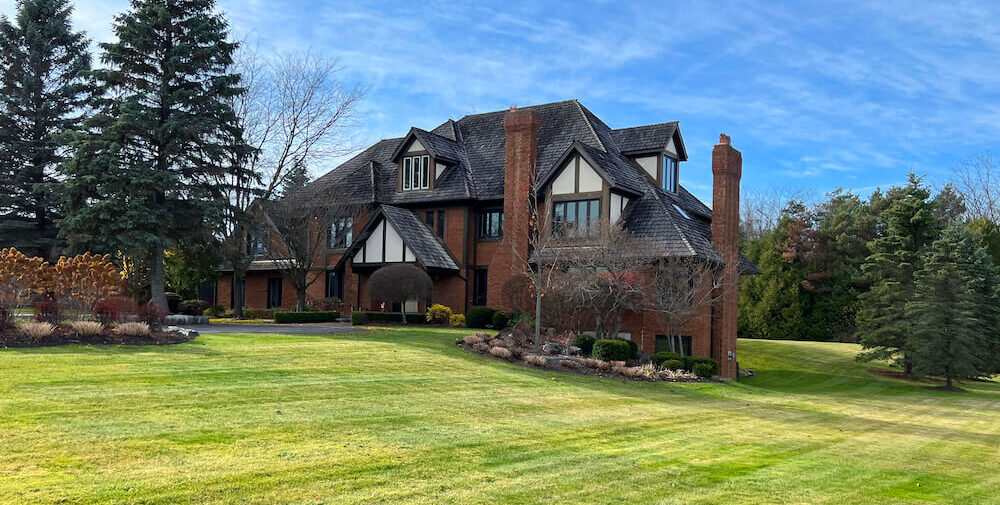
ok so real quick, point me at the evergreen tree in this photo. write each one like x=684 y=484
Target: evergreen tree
x=905 y=227
x=148 y=169
x=954 y=308
x=43 y=89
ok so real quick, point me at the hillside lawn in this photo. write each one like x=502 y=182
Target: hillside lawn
x=404 y=416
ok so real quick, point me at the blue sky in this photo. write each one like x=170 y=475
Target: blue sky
x=816 y=94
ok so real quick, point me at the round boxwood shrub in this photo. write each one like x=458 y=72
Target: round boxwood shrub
x=611 y=350
x=662 y=356
x=500 y=319
x=439 y=314
x=585 y=343
x=672 y=364
x=633 y=348
x=479 y=317
x=703 y=367
x=193 y=307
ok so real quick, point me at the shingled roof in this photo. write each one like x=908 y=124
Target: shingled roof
x=473 y=149
x=429 y=252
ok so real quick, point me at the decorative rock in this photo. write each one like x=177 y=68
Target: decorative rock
x=575 y=351
x=552 y=348
x=184 y=319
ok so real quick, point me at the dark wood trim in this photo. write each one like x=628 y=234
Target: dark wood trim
x=590 y=195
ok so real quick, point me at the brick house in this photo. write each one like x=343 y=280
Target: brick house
x=454 y=201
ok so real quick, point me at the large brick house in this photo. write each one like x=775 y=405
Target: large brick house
x=455 y=201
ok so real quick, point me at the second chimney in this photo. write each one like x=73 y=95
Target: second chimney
x=727 y=168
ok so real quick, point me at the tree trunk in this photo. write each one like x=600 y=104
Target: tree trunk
x=907 y=366
x=239 y=287
x=948 y=381
x=300 y=299
x=402 y=311
x=159 y=295
x=538 y=319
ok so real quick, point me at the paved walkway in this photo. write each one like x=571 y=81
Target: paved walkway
x=288 y=329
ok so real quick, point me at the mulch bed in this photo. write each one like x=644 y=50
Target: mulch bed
x=574 y=364
x=11 y=337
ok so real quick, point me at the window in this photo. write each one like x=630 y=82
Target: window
x=334 y=285
x=680 y=344
x=491 y=224
x=682 y=212
x=479 y=287
x=436 y=225
x=341 y=233
x=669 y=176
x=578 y=218
x=257 y=241
x=274 y=293
x=416 y=172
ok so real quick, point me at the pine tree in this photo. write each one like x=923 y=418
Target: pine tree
x=43 y=89
x=954 y=308
x=906 y=225
x=147 y=171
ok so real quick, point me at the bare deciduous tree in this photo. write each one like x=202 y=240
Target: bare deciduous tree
x=681 y=287
x=979 y=186
x=400 y=283
x=761 y=209
x=296 y=111
x=302 y=220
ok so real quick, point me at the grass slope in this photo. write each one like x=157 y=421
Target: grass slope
x=404 y=416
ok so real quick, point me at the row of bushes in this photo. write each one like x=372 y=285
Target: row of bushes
x=306 y=317
x=702 y=367
x=360 y=318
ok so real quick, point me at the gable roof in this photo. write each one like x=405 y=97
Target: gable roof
x=649 y=138
x=420 y=239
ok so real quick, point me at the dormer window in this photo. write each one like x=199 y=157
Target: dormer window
x=416 y=172
x=668 y=174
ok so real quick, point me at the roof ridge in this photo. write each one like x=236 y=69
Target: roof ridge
x=470 y=180
x=519 y=108
x=590 y=125
x=645 y=125
x=673 y=222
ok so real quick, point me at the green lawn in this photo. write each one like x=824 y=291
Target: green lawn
x=405 y=417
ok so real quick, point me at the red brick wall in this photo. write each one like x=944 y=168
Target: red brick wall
x=727 y=167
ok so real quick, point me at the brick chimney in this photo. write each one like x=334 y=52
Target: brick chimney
x=521 y=129
x=727 y=168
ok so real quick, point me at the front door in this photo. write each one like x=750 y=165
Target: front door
x=274 y=293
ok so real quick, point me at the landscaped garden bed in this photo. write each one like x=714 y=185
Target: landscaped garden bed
x=35 y=335
x=617 y=359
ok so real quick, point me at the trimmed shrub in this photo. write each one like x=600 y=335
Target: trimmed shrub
x=107 y=312
x=500 y=320
x=703 y=367
x=457 y=321
x=439 y=314
x=611 y=350
x=633 y=349
x=214 y=311
x=479 y=317
x=671 y=364
x=662 y=356
x=585 y=343
x=37 y=331
x=134 y=329
x=360 y=317
x=87 y=328
x=173 y=302
x=258 y=313
x=193 y=307
x=305 y=317
x=47 y=312
x=151 y=315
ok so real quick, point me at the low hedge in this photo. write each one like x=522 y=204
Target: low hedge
x=672 y=364
x=306 y=317
x=702 y=367
x=360 y=317
x=612 y=350
x=479 y=317
x=500 y=319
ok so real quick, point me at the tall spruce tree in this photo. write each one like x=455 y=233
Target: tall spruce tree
x=906 y=225
x=43 y=89
x=954 y=308
x=148 y=169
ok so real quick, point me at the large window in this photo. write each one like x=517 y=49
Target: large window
x=341 y=233
x=680 y=344
x=669 y=176
x=479 y=286
x=578 y=218
x=257 y=241
x=334 y=285
x=491 y=224
x=416 y=172
x=435 y=221
x=274 y=293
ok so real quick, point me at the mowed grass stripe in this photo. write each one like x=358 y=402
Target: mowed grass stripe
x=404 y=416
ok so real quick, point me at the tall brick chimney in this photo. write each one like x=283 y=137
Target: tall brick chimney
x=521 y=129
x=727 y=168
